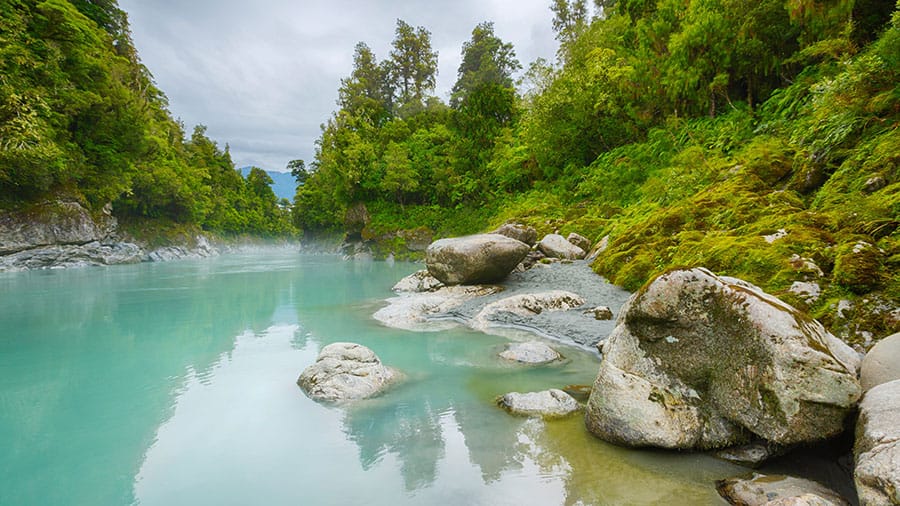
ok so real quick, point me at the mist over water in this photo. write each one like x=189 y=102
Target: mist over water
x=174 y=383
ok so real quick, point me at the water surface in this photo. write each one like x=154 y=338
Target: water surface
x=174 y=384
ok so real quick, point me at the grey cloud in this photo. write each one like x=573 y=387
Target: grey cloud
x=262 y=76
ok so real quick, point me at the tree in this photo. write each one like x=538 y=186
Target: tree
x=298 y=171
x=485 y=60
x=400 y=175
x=413 y=64
x=366 y=92
x=570 y=17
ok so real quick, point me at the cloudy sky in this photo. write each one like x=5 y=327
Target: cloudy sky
x=263 y=75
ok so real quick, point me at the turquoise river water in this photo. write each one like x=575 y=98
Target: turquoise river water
x=174 y=384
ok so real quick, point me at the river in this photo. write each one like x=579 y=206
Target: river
x=174 y=384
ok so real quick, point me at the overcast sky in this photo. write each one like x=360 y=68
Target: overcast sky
x=263 y=75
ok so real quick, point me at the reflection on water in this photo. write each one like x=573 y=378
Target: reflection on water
x=175 y=384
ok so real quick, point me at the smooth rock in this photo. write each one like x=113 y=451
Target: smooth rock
x=474 y=259
x=417 y=311
x=519 y=232
x=527 y=304
x=698 y=361
x=53 y=223
x=556 y=246
x=877 y=448
x=882 y=363
x=762 y=489
x=418 y=282
x=532 y=352
x=803 y=500
x=553 y=403
x=346 y=372
x=579 y=240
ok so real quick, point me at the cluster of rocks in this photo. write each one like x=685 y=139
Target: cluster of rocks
x=63 y=234
x=695 y=362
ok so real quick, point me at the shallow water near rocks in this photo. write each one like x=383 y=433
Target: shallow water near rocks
x=174 y=383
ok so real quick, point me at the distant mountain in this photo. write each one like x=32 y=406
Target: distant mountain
x=283 y=183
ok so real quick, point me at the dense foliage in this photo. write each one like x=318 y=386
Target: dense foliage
x=685 y=130
x=81 y=117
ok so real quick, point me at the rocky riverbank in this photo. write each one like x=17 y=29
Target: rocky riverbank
x=63 y=234
x=693 y=361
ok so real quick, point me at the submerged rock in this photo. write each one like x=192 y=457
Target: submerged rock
x=750 y=455
x=556 y=246
x=882 y=363
x=532 y=352
x=786 y=490
x=474 y=259
x=519 y=232
x=877 y=447
x=698 y=361
x=527 y=304
x=346 y=372
x=551 y=403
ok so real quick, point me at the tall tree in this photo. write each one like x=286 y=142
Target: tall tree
x=413 y=64
x=365 y=92
x=570 y=17
x=485 y=60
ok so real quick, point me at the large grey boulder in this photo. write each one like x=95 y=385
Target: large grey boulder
x=877 y=447
x=551 y=403
x=346 y=372
x=531 y=352
x=882 y=363
x=474 y=259
x=771 y=490
x=556 y=246
x=698 y=361
x=519 y=232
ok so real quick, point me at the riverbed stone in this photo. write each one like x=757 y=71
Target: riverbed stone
x=579 y=240
x=877 y=447
x=882 y=363
x=474 y=259
x=346 y=372
x=601 y=313
x=553 y=403
x=519 y=232
x=526 y=305
x=556 y=246
x=427 y=311
x=418 y=282
x=762 y=490
x=531 y=352
x=698 y=361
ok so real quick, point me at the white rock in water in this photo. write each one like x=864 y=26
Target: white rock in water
x=528 y=304
x=414 y=311
x=346 y=372
x=532 y=352
x=551 y=403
